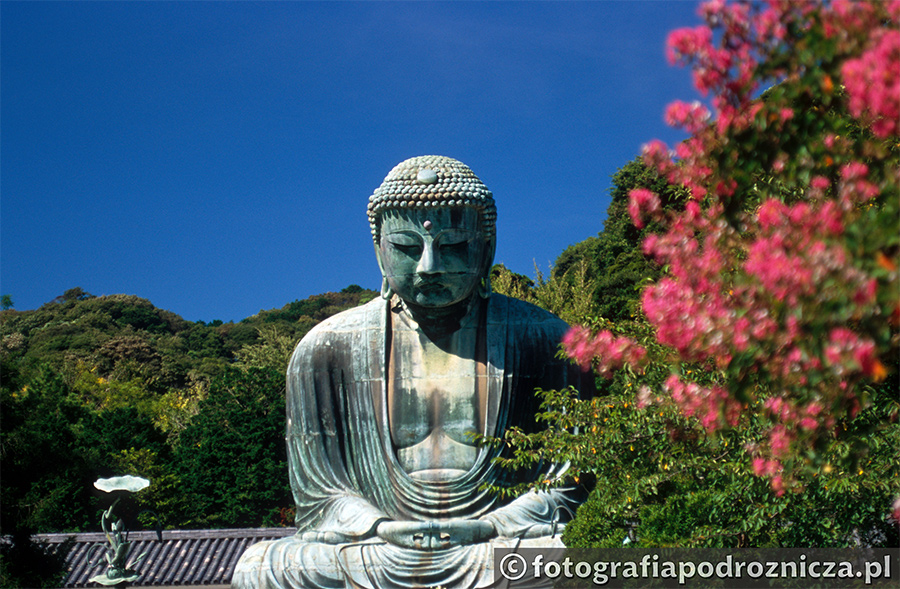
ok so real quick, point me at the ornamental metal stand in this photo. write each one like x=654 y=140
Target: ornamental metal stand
x=120 y=571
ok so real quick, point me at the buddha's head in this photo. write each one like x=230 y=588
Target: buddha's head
x=433 y=222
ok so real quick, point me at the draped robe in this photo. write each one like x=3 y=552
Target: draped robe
x=346 y=478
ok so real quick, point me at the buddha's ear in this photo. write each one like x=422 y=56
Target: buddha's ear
x=484 y=289
x=386 y=291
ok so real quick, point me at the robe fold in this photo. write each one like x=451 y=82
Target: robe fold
x=346 y=478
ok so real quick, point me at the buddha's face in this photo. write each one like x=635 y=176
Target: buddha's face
x=433 y=257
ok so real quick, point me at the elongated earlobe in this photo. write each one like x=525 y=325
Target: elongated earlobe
x=386 y=291
x=484 y=287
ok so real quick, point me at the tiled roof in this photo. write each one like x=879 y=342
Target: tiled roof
x=183 y=558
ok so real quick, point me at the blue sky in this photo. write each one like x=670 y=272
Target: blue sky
x=216 y=157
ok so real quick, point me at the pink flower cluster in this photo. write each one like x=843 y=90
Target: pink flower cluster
x=713 y=406
x=850 y=15
x=807 y=418
x=855 y=187
x=763 y=467
x=691 y=308
x=847 y=352
x=684 y=44
x=690 y=117
x=642 y=203
x=694 y=325
x=604 y=352
x=722 y=71
x=795 y=253
x=873 y=79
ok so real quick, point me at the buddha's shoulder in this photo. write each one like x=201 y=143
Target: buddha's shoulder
x=517 y=312
x=343 y=325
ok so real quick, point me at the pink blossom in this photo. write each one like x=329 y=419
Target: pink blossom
x=792 y=254
x=808 y=423
x=748 y=293
x=847 y=352
x=818 y=187
x=793 y=327
x=576 y=343
x=828 y=219
x=873 y=82
x=855 y=187
x=771 y=213
x=711 y=405
x=642 y=203
x=763 y=467
x=854 y=171
x=780 y=441
x=656 y=156
x=603 y=351
x=690 y=117
x=853 y=15
x=784 y=275
x=644 y=397
x=726 y=188
x=814 y=409
x=769 y=25
x=893 y=8
x=686 y=42
x=778 y=485
x=866 y=293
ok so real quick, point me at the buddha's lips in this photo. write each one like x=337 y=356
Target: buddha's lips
x=429 y=285
x=442 y=281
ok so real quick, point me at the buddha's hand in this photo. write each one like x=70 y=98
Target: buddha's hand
x=435 y=535
x=326 y=537
x=542 y=530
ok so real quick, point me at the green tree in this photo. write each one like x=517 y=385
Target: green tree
x=45 y=477
x=6 y=302
x=272 y=351
x=615 y=265
x=231 y=459
x=73 y=294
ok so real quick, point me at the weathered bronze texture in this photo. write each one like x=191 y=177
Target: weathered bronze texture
x=383 y=400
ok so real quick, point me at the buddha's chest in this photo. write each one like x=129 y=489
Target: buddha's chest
x=435 y=402
x=438 y=393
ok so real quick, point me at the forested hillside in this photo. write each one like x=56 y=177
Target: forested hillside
x=103 y=385
x=109 y=385
x=97 y=386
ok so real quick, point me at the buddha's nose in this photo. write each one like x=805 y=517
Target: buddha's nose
x=430 y=262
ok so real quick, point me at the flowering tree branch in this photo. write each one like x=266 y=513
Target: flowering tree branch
x=782 y=269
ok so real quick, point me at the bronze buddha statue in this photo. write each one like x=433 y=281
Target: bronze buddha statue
x=382 y=401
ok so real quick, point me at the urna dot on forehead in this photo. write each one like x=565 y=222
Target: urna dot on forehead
x=432 y=181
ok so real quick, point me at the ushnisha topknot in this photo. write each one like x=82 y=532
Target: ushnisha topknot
x=432 y=181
